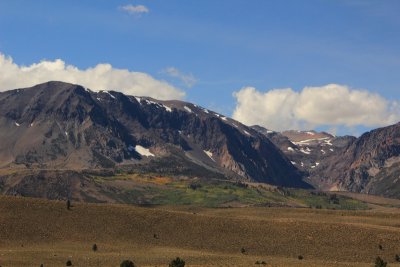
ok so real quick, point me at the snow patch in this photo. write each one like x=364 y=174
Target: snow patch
x=17 y=124
x=294 y=163
x=246 y=132
x=143 y=151
x=107 y=92
x=316 y=163
x=98 y=98
x=138 y=99
x=187 y=109
x=331 y=149
x=209 y=154
x=304 y=151
x=290 y=148
x=328 y=142
x=323 y=151
x=167 y=108
x=205 y=110
x=224 y=118
x=310 y=133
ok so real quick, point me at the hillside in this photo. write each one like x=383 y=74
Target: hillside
x=35 y=232
x=368 y=164
x=371 y=164
x=68 y=127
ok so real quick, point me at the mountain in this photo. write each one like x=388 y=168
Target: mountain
x=368 y=164
x=307 y=150
x=61 y=126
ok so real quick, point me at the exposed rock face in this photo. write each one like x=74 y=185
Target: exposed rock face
x=64 y=126
x=368 y=164
x=307 y=150
x=371 y=164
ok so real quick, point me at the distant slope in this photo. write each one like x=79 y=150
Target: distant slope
x=371 y=164
x=368 y=164
x=58 y=125
x=307 y=150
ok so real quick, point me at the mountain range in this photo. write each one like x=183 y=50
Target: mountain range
x=68 y=129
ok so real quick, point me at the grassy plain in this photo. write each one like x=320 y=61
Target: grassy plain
x=37 y=231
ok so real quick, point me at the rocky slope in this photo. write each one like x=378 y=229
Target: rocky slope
x=371 y=164
x=68 y=127
x=368 y=164
x=307 y=149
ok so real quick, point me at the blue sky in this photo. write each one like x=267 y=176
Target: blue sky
x=220 y=46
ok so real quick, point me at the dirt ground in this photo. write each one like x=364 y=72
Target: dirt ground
x=36 y=231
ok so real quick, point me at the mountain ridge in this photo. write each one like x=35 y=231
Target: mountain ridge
x=61 y=125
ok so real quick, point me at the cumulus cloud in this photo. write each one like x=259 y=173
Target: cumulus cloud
x=187 y=79
x=331 y=105
x=99 y=77
x=135 y=10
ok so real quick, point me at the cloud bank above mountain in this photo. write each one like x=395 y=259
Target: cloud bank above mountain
x=99 y=77
x=331 y=105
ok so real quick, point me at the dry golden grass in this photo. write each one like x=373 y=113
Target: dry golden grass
x=36 y=231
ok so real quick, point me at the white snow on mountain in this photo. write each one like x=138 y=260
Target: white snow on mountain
x=143 y=151
x=187 y=109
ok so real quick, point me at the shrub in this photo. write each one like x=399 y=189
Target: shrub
x=68 y=204
x=127 y=263
x=178 y=262
x=194 y=186
x=69 y=263
x=300 y=257
x=380 y=247
x=380 y=263
x=397 y=258
x=334 y=199
x=94 y=247
x=243 y=250
x=263 y=262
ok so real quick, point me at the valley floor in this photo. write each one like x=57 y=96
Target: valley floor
x=37 y=231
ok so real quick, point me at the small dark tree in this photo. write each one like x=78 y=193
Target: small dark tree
x=397 y=258
x=178 y=262
x=380 y=263
x=334 y=199
x=68 y=204
x=127 y=263
x=41 y=265
x=300 y=257
x=94 y=247
x=69 y=263
x=380 y=247
x=243 y=250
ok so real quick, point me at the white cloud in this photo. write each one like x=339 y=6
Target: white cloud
x=135 y=10
x=99 y=77
x=330 y=105
x=188 y=79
